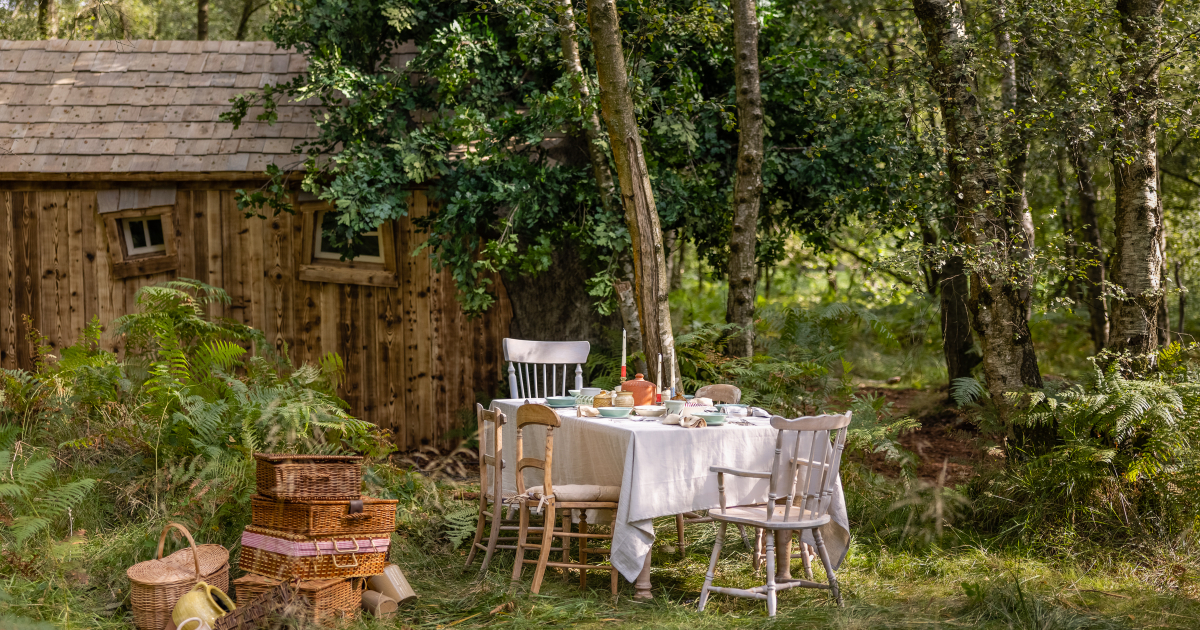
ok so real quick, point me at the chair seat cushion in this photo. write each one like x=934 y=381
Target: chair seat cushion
x=580 y=493
x=757 y=515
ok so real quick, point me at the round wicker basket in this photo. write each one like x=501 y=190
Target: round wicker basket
x=158 y=584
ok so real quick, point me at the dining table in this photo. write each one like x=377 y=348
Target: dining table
x=662 y=470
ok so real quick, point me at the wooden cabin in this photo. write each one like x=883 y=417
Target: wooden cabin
x=115 y=174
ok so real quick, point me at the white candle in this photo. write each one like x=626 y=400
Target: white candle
x=671 y=382
x=659 y=374
x=622 y=347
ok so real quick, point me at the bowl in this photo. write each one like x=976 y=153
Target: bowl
x=688 y=396
x=728 y=406
x=712 y=418
x=650 y=411
x=674 y=406
x=560 y=401
x=614 y=412
x=573 y=392
x=591 y=391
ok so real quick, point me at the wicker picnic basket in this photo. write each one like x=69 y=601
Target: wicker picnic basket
x=323 y=601
x=158 y=584
x=325 y=518
x=271 y=609
x=285 y=555
x=309 y=477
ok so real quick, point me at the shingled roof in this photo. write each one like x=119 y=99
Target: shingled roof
x=117 y=108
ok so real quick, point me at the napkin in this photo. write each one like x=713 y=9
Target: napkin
x=586 y=411
x=687 y=422
x=759 y=412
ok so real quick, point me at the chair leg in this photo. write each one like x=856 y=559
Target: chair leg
x=479 y=536
x=756 y=552
x=566 y=545
x=712 y=565
x=583 y=542
x=745 y=539
x=682 y=544
x=493 y=538
x=829 y=572
x=806 y=557
x=547 y=542
x=770 y=536
x=522 y=536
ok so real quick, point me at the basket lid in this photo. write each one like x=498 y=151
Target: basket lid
x=307 y=586
x=212 y=558
x=159 y=573
x=308 y=459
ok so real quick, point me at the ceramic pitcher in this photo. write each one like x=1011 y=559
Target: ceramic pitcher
x=204 y=602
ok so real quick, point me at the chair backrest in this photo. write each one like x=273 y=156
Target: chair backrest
x=532 y=413
x=720 y=393
x=549 y=360
x=491 y=448
x=808 y=474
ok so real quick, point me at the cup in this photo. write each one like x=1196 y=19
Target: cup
x=674 y=406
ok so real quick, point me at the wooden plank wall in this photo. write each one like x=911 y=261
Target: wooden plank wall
x=414 y=361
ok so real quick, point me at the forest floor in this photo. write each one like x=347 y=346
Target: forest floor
x=969 y=584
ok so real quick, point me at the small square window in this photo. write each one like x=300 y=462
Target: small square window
x=143 y=235
x=323 y=241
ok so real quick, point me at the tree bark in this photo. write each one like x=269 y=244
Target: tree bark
x=249 y=8
x=201 y=19
x=47 y=19
x=747 y=189
x=1015 y=95
x=573 y=318
x=958 y=345
x=1139 y=252
x=641 y=216
x=596 y=153
x=1097 y=309
x=984 y=222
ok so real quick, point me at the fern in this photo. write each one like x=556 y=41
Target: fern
x=28 y=489
x=460 y=525
x=966 y=390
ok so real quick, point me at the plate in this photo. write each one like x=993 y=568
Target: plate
x=614 y=412
x=650 y=411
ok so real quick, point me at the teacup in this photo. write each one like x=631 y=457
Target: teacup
x=674 y=406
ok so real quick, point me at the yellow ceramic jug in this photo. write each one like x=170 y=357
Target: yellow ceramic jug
x=204 y=602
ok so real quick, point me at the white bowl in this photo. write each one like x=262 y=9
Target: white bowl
x=590 y=391
x=650 y=411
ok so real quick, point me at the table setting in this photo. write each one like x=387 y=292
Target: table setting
x=657 y=446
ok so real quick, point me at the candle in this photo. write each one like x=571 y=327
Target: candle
x=671 y=387
x=622 y=353
x=658 y=375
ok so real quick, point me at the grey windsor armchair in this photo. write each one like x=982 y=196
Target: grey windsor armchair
x=807 y=483
x=549 y=360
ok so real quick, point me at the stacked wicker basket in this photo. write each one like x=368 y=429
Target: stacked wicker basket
x=310 y=523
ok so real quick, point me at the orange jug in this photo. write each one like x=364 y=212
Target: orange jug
x=643 y=391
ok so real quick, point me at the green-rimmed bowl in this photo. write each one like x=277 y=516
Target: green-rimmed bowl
x=712 y=418
x=614 y=412
x=560 y=401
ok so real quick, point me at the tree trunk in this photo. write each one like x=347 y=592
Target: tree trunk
x=998 y=312
x=47 y=19
x=201 y=19
x=1015 y=95
x=596 y=154
x=573 y=317
x=958 y=346
x=1182 y=296
x=249 y=8
x=1139 y=252
x=1068 y=220
x=747 y=189
x=641 y=216
x=1097 y=309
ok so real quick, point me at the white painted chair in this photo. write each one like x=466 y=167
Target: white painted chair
x=537 y=369
x=806 y=479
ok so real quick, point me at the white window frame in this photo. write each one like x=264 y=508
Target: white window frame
x=318 y=219
x=127 y=232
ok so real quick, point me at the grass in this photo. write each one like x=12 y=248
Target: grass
x=964 y=584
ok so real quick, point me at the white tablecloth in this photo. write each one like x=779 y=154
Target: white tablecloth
x=662 y=471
